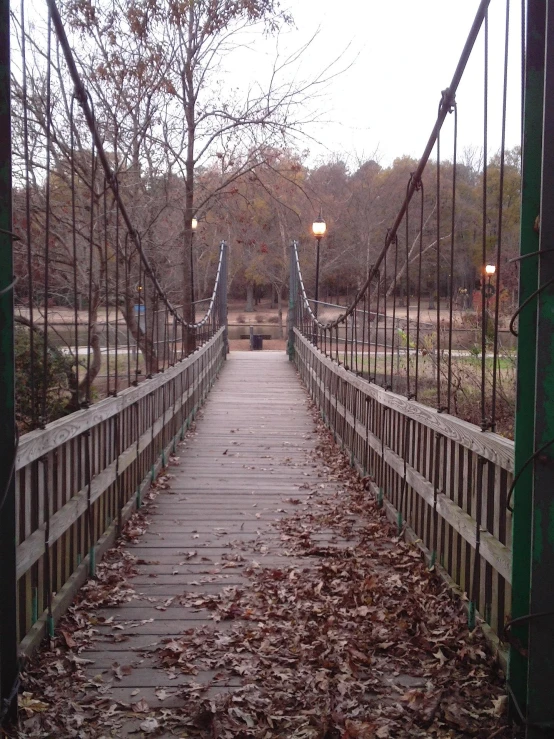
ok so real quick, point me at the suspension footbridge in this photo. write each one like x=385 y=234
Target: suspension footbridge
x=101 y=415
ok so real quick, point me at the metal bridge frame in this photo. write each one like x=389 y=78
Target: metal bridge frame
x=8 y=640
x=531 y=671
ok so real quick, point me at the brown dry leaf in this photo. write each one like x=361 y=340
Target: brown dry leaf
x=141 y=706
x=68 y=639
x=500 y=705
x=31 y=705
x=325 y=643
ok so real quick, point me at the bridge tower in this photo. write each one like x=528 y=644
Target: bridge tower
x=531 y=671
x=8 y=632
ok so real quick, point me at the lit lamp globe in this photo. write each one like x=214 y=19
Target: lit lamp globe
x=194 y=224
x=319 y=227
x=490 y=269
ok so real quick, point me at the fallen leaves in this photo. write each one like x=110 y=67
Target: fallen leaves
x=352 y=639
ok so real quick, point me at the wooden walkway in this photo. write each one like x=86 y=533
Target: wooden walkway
x=249 y=455
x=337 y=618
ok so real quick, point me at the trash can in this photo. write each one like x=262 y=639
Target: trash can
x=257 y=341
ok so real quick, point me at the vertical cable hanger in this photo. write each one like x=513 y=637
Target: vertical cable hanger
x=408 y=388
x=385 y=375
x=452 y=244
x=116 y=300
x=104 y=267
x=44 y=380
x=437 y=268
x=374 y=378
x=91 y=270
x=485 y=422
x=76 y=295
x=127 y=299
x=30 y=282
x=139 y=321
x=420 y=188
x=495 y=364
x=394 y=326
x=364 y=323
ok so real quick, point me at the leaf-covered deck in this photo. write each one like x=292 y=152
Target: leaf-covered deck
x=234 y=476
x=262 y=594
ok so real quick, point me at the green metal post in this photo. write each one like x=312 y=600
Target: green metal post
x=540 y=674
x=525 y=420
x=9 y=668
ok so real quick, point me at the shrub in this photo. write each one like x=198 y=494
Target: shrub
x=59 y=379
x=241 y=318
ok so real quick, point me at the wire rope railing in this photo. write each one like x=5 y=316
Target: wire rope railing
x=110 y=368
x=424 y=348
x=101 y=236
x=423 y=323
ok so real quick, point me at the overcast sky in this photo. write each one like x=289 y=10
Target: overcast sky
x=405 y=53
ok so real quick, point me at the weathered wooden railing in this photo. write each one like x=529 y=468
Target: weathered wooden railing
x=447 y=480
x=82 y=476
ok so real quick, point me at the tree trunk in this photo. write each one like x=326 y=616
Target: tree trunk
x=143 y=342
x=249 y=298
x=278 y=292
x=85 y=386
x=187 y=79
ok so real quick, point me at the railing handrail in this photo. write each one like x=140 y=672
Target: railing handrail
x=35 y=444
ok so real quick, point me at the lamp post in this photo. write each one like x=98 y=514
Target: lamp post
x=318 y=229
x=490 y=270
x=194 y=226
x=488 y=291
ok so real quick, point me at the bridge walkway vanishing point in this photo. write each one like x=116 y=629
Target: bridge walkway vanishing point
x=264 y=564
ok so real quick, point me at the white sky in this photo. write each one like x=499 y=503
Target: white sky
x=405 y=53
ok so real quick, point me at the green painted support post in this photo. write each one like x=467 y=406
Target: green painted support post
x=526 y=367
x=9 y=666
x=540 y=673
x=432 y=559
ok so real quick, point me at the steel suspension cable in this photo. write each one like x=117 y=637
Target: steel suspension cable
x=447 y=100
x=83 y=98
